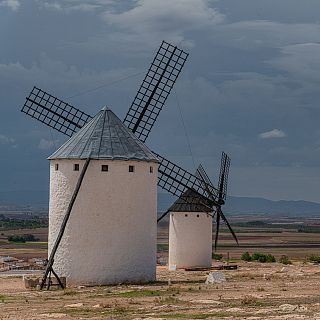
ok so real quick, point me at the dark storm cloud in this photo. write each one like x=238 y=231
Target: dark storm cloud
x=250 y=86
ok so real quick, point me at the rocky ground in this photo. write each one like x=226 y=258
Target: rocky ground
x=254 y=291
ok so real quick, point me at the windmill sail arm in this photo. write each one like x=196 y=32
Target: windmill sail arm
x=54 y=112
x=177 y=180
x=155 y=89
x=223 y=176
x=223 y=217
x=201 y=174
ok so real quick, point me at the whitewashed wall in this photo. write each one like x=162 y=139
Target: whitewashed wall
x=190 y=239
x=111 y=234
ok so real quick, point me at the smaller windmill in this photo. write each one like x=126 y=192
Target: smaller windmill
x=190 y=222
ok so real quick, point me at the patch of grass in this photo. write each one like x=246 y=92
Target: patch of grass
x=217 y=256
x=89 y=312
x=4 y=298
x=249 y=300
x=194 y=315
x=140 y=293
x=167 y=300
x=70 y=292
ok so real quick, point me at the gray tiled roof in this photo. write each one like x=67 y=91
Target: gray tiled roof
x=190 y=201
x=104 y=137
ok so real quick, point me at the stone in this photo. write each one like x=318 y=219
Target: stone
x=287 y=307
x=54 y=315
x=74 y=305
x=215 y=277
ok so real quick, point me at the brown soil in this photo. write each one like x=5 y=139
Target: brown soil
x=254 y=291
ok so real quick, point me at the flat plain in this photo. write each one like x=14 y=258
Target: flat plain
x=253 y=291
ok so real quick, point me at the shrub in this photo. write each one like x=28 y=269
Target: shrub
x=217 y=256
x=256 y=256
x=261 y=257
x=284 y=260
x=246 y=256
x=270 y=258
x=314 y=258
x=22 y=238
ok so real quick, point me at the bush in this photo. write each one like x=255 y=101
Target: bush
x=246 y=256
x=22 y=238
x=270 y=258
x=257 y=256
x=261 y=257
x=314 y=258
x=16 y=238
x=284 y=260
x=216 y=256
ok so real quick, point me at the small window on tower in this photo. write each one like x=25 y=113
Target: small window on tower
x=56 y=166
x=186 y=215
x=76 y=167
x=131 y=168
x=104 y=168
x=151 y=169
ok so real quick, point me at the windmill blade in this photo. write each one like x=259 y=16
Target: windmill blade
x=54 y=112
x=229 y=226
x=154 y=90
x=177 y=180
x=223 y=176
x=217 y=228
x=201 y=174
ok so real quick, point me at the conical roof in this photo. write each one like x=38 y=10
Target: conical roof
x=104 y=137
x=191 y=201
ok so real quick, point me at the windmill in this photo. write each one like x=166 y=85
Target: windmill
x=190 y=227
x=144 y=110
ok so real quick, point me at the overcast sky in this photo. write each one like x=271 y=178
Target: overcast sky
x=250 y=87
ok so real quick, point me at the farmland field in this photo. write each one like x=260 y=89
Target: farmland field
x=256 y=291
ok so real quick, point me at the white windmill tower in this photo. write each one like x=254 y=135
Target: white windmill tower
x=111 y=234
x=190 y=232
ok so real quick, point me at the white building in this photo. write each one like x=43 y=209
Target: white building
x=111 y=234
x=190 y=233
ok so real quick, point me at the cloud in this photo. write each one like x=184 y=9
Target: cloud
x=153 y=19
x=45 y=144
x=53 y=5
x=265 y=34
x=273 y=134
x=302 y=61
x=69 y=6
x=6 y=140
x=12 y=4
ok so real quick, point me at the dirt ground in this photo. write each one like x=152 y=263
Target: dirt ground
x=254 y=291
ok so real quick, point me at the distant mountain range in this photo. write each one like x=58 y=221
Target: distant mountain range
x=250 y=205
x=235 y=205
